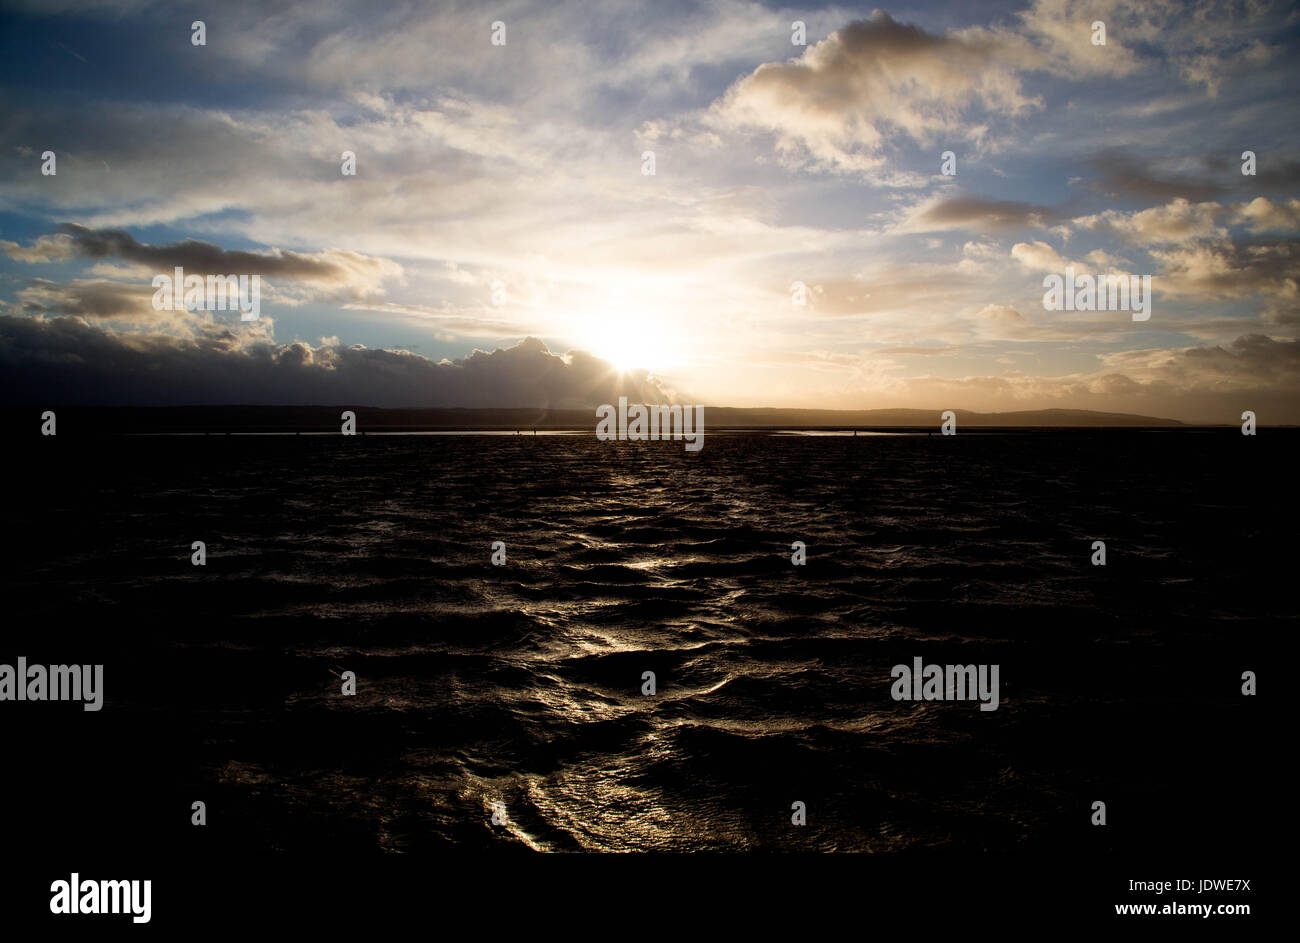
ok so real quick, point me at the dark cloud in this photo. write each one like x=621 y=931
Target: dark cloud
x=1121 y=174
x=90 y=298
x=977 y=214
x=1252 y=358
x=1266 y=265
x=66 y=360
x=204 y=258
x=1253 y=368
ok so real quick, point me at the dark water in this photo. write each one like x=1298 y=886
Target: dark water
x=521 y=684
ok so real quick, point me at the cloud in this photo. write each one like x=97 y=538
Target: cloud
x=1204 y=43
x=58 y=247
x=1041 y=257
x=1251 y=362
x=845 y=94
x=88 y=298
x=1258 y=265
x=913 y=351
x=896 y=288
x=360 y=274
x=328 y=275
x=1208 y=383
x=1125 y=175
x=1263 y=215
x=455 y=322
x=1180 y=221
x=978 y=214
x=1063 y=29
x=69 y=360
x=1002 y=321
x=1200 y=259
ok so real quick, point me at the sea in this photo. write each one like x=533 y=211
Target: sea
x=644 y=667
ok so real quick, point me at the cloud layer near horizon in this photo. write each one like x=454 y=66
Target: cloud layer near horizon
x=71 y=361
x=68 y=360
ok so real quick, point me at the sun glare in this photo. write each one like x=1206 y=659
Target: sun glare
x=631 y=343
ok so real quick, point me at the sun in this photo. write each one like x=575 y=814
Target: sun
x=631 y=343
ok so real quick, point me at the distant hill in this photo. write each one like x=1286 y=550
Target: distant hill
x=724 y=416
x=110 y=420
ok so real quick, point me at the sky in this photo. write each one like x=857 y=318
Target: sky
x=503 y=243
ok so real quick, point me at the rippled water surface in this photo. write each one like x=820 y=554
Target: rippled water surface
x=521 y=684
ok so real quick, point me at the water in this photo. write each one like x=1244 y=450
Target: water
x=521 y=684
